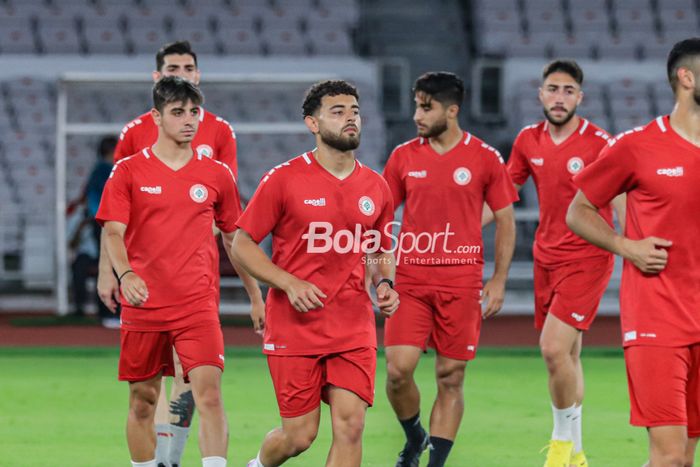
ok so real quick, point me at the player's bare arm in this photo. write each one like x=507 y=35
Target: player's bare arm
x=495 y=289
x=383 y=266
x=649 y=255
x=132 y=286
x=252 y=288
x=487 y=215
x=304 y=296
x=619 y=205
x=107 y=284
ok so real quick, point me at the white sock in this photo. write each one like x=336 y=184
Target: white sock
x=144 y=464
x=255 y=462
x=576 y=432
x=213 y=461
x=163 y=437
x=563 y=423
x=177 y=443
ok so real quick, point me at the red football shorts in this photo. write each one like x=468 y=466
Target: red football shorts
x=302 y=381
x=144 y=354
x=664 y=386
x=448 y=321
x=572 y=291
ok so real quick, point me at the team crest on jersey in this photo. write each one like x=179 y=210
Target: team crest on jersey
x=366 y=205
x=575 y=165
x=205 y=150
x=199 y=193
x=462 y=176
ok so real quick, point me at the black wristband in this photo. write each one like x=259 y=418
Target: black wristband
x=387 y=281
x=124 y=274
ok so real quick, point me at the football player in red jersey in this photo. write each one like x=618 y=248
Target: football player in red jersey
x=214 y=139
x=443 y=177
x=329 y=216
x=657 y=167
x=157 y=211
x=570 y=275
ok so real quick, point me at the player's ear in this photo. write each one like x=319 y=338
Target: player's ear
x=540 y=95
x=156 y=75
x=453 y=111
x=156 y=116
x=311 y=123
x=197 y=76
x=580 y=98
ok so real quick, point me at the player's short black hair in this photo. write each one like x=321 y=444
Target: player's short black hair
x=312 y=100
x=106 y=147
x=680 y=56
x=570 y=67
x=174 y=48
x=175 y=89
x=445 y=87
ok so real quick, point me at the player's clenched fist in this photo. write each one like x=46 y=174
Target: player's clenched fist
x=304 y=296
x=648 y=255
x=387 y=299
x=134 y=289
x=108 y=290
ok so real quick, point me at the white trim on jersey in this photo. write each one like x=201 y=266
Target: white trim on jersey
x=585 y=125
x=306 y=158
x=468 y=138
x=660 y=122
x=145 y=153
x=359 y=163
x=227 y=168
x=201 y=113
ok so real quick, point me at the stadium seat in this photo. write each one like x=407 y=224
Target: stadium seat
x=146 y=35
x=239 y=41
x=104 y=39
x=329 y=41
x=288 y=41
x=16 y=36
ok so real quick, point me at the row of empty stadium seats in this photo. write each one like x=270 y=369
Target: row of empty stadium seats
x=253 y=27
x=590 y=29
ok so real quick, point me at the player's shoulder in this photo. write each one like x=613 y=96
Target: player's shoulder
x=142 y=121
x=219 y=168
x=530 y=132
x=591 y=130
x=408 y=147
x=368 y=171
x=288 y=169
x=640 y=134
x=128 y=163
x=209 y=118
x=483 y=148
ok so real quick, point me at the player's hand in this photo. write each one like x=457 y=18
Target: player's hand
x=493 y=294
x=108 y=290
x=648 y=255
x=304 y=296
x=257 y=314
x=387 y=299
x=134 y=289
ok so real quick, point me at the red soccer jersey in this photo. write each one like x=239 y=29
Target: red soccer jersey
x=318 y=223
x=444 y=198
x=660 y=172
x=552 y=167
x=215 y=138
x=169 y=216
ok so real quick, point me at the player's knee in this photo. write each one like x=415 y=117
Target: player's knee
x=300 y=441
x=350 y=429
x=450 y=380
x=552 y=352
x=209 y=399
x=398 y=375
x=143 y=403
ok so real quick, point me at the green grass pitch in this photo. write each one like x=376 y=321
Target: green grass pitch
x=64 y=407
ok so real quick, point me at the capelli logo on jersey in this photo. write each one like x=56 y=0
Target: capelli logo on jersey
x=152 y=190
x=671 y=172
x=538 y=162
x=418 y=174
x=315 y=202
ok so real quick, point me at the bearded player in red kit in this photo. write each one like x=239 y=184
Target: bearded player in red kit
x=329 y=216
x=657 y=166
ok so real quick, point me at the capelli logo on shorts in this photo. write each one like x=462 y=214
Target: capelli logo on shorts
x=630 y=336
x=269 y=346
x=221 y=357
x=578 y=317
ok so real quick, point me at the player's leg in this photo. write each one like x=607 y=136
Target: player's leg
x=455 y=338
x=690 y=452
x=140 y=433
x=201 y=352
x=405 y=337
x=298 y=382
x=667 y=446
x=163 y=433
x=143 y=358
x=348 y=422
x=181 y=412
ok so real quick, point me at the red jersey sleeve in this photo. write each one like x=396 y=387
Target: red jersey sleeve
x=611 y=174
x=500 y=191
x=227 y=209
x=125 y=146
x=227 y=147
x=517 y=166
x=392 y=175
x=385 y=218
x=115 y=204
x=264 y=209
